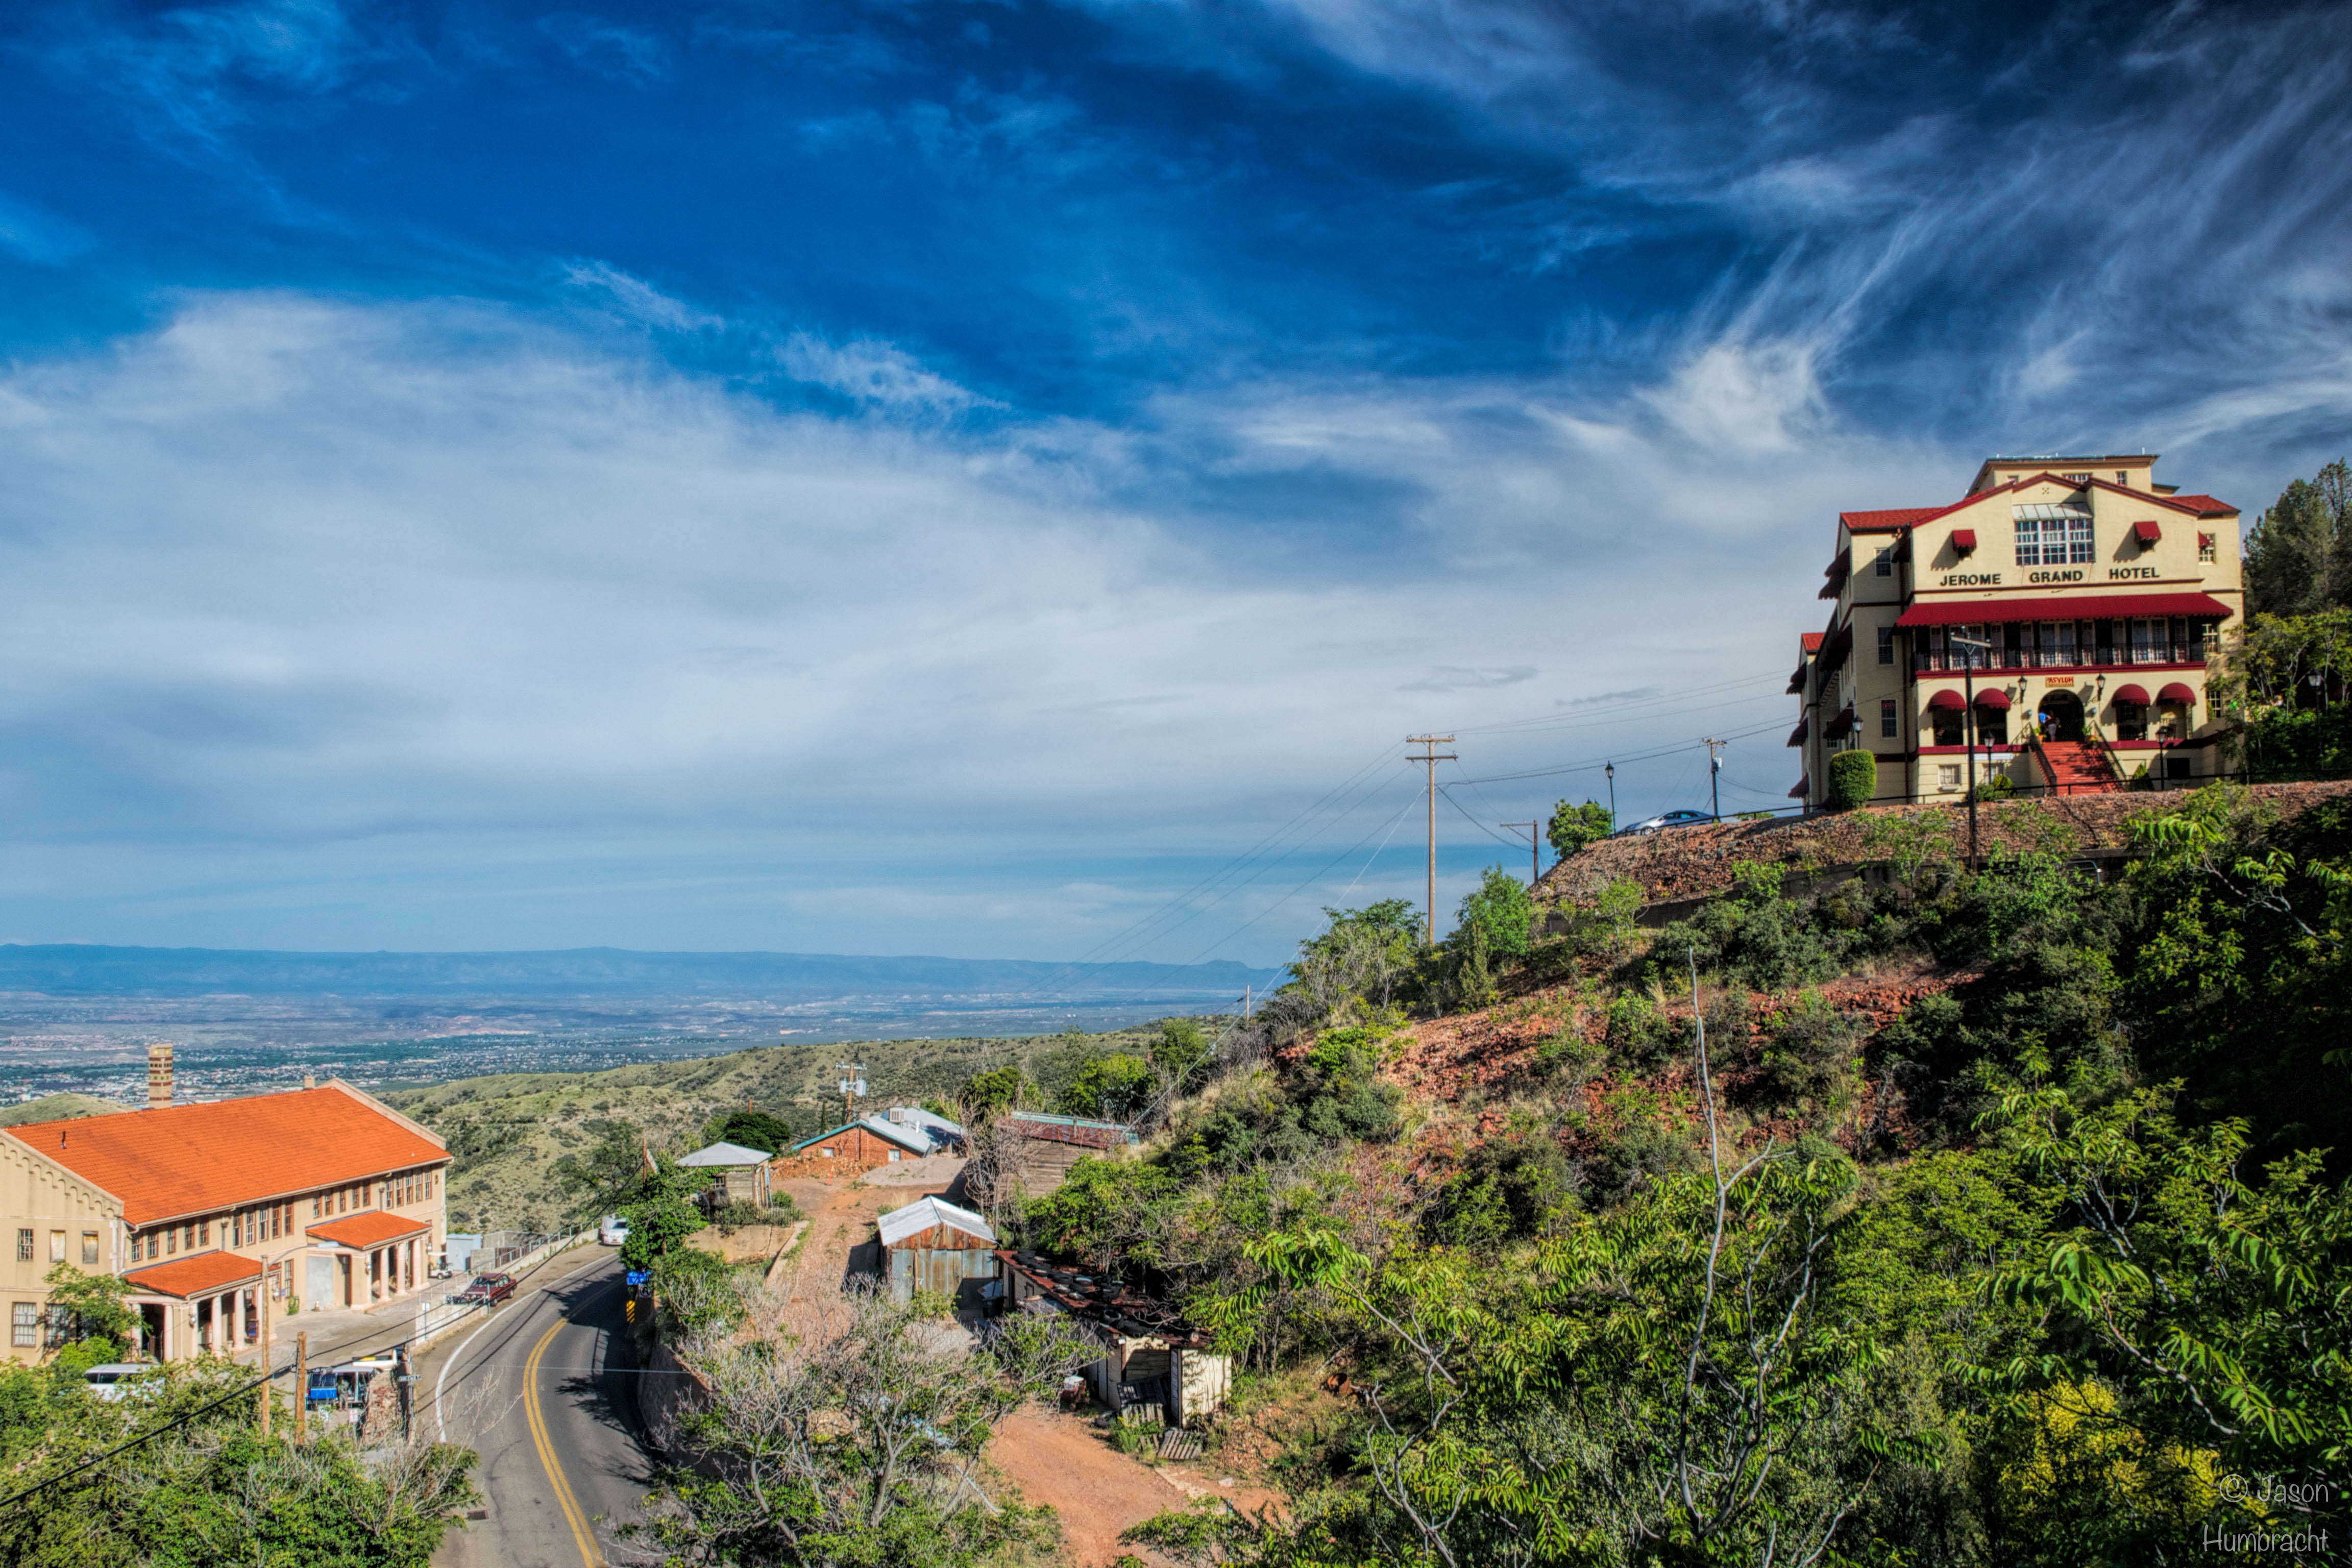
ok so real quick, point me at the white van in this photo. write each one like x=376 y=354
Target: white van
x=114 y=1379
x=614 y=1231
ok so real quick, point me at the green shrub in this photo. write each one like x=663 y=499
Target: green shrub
x=1854 y=779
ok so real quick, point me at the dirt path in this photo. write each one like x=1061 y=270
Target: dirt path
x=1097 y=1490
x=1066 y=1460
x=841 y=1217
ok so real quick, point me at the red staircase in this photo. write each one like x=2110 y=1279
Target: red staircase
x=2076 y=767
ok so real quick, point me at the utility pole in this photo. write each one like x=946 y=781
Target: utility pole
x=301 y=1384
x=1713 y=773
x=1535 y=865
x=853 y=1088
x=261 y=1297
x=1429 y=744
x=1968 y=699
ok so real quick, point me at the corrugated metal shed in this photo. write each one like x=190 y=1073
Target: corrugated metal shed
x=931 y=1245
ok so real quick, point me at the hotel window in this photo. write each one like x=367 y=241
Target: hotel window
x=2204 y=547
x=2122 y=477
x=1886 y=644
x=1883 y=562
x=2143 y=643
x=172 y=1240
x=2029 y=541
x=89 y=1246
x=1888 y=725
x=1947 y=776
x=57 y=1247
x=2078 y=478
x=24 y=1324
x=205 y=1234
x=24 y=1247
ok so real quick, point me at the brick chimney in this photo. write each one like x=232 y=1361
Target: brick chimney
x=159 y=1076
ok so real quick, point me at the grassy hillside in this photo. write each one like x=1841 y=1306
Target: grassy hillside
x=58 y=1107
x=1996 y=1215
x=507 y=1131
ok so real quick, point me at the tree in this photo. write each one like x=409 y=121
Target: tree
x=1115 y=1087
x=2299 y=556
x=1499 y=916
x=88 y=1305
x=984 y=1094
x=856 y=1444
x=1574 y=827
x=664 y=1214
x=207 y=1488
x=609 y=1173
x=1854 y=780
x=752 y=1129
x=1358 y=960
x=2222 y=1306
x=1180 y=1051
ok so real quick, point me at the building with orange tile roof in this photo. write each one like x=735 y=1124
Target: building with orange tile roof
x=220 y=1214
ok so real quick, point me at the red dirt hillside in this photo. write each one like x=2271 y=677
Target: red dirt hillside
x=1693 y=862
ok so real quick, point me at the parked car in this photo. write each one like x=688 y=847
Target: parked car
x=487 y=1289
x=117 y=1379
x=614 y=1231
x=1655 y=824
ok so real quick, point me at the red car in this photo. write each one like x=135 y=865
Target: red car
x=488 y=1290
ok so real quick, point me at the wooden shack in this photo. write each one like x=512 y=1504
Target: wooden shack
x=1038 y=1157
x=931 y=1245
x=853 y=1148
x=1151 y=1355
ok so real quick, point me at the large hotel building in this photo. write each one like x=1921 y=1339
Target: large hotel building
x=2101 y=593
x=2101 y=598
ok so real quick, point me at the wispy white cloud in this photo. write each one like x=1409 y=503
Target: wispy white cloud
x=876 y=373
x=340 y=590
x=637 y=299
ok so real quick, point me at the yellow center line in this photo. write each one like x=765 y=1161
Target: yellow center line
x=581 y=1534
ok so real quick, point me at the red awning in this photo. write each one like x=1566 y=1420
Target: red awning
x=1839 y=725
x=1963 y=540
x=2079 y=607
x=2146 y=531
x=2132 y=692
x=1799 y=792
x=1994 y=698
x=1946 y=698
x=2176 y=692
x=1797 y=735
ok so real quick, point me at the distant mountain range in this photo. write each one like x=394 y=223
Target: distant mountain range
x=63 y=970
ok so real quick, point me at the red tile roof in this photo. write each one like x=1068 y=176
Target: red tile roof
x=1901 y=517
x=1886 y=522
x=199 y=1276
x=198 y=1159
x=366 y=1230
x=1809 y=641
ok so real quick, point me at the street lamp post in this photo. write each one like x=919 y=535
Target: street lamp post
x=1609 y=771
x=1968 y=697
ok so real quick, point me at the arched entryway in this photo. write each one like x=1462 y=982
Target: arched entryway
x=2061 y=716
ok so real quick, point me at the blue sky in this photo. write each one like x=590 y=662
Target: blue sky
x=952 y=476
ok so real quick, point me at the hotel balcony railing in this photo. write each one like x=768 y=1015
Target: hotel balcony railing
x=2180 y=651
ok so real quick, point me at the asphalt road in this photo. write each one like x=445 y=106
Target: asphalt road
x=541 y=1392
